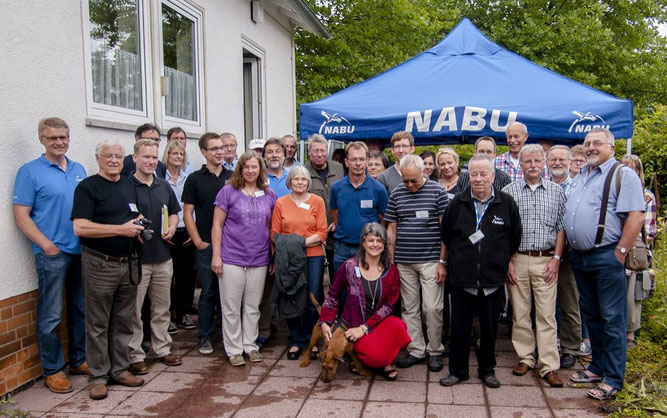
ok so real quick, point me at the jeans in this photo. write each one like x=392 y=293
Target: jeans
x=209 y=297
x=300 y=329
x=58 y=274
x=602 y=299
x=342 y=252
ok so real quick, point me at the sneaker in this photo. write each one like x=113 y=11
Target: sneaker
x=255 y=357
x=584 y=349
x=237 y=360
x=58 y=383
x=186 y=322
x=205 y=346
x=172 y=328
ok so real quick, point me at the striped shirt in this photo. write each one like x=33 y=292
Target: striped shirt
x=541 y=211
x=417 y=216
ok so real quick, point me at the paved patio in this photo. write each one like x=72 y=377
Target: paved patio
x=210 y=386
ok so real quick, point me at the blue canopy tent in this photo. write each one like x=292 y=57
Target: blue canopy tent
x=464 y=87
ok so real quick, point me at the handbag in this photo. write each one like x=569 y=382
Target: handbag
x=639 y=255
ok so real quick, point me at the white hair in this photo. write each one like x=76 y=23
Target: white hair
x=108 y=143
x=412 y=160
x=532 y=148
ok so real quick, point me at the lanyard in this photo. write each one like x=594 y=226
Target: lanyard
x=478 y=216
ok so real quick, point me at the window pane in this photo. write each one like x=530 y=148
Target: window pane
x=179 y=64
x=115 y=53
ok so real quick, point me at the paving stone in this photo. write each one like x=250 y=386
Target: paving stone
x=435 y=377
x=519 y=411
x=354 y=390
x=173 y=382
x=230 y=385
x=269 y=406
x=416 y=373
x=393 y=410
x=468 y=394
x=504 y=374
x=291 y=368
x=504 y=344
x=570 y=398
x=69 y=415
x=39 y=399
x=506 y=359
x=321 y=407
x=115 y=387
x=573 y=413
x=398 y=391
x=198 y=364
x=81 y=403
x=141 y=403
x=274 y=351
x=206 y=405
x=289 y=387
x=440 y=394
x=516 y=396
x=455 y=411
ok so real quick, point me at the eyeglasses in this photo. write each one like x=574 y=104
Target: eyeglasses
x=56 y=138
x=214 y=149
x=578 y=161
x=111 y=156
x=595 y=144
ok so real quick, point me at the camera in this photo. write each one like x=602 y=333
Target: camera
x=146 y=235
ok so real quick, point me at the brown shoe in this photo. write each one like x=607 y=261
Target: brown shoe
x=98 y=391
x=553 y=379
x=130 y=380
x=521 y=369
x=58 y=383
x=82 y=369
x=138 y=368
x=171 y=360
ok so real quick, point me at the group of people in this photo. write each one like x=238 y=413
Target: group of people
x=446 y=246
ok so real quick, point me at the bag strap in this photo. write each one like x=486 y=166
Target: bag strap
x=605 y=202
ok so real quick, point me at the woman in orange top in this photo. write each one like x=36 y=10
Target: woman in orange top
x=303 y=213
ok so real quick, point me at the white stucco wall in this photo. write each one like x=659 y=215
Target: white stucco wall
x=43 y=75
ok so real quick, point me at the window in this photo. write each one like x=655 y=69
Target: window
x=117 y=70
x=121 y=52
x=180 y=62
x=253 y=102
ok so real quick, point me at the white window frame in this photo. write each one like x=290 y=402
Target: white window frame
x=258 y=69
x=106 y=113
x=197 y=16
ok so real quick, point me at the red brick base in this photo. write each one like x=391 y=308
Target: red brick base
x=19 y=357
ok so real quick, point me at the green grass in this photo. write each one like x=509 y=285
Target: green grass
x=645 y=391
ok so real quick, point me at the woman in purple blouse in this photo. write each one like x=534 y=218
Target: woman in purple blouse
x=240 y=244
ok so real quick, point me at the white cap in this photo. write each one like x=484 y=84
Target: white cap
x=257 y=143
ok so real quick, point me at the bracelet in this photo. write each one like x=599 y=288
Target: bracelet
x=557 y=257
x=364 y=328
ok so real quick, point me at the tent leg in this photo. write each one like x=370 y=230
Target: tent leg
x=628 y=150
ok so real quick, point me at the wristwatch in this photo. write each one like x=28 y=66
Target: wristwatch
x=622 y=250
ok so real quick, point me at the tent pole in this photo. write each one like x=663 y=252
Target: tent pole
x=629 y=146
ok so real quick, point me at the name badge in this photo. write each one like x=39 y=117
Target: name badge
x=259 y=193
x=133 y=208
x=476 y=237
x=421 y=214
x=357 y=272
x=366 y=204
x=305 y=206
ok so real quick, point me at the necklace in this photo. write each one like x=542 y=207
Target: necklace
x=248 y=193
x=373 y=292
x=449 y=185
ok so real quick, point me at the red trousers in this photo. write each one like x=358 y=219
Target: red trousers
x=380 y=347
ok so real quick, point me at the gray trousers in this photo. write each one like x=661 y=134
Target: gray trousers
x=110 y=305
x=568 y=298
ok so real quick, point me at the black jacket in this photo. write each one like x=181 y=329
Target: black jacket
x=289 y=296
x=485 y=263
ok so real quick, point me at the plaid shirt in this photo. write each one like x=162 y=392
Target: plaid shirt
x=541 y=213
x=567 y=185
x=504 y=162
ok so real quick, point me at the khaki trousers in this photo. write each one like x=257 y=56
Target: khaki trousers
x=413 y=278
x=241 y=291
x=634 y=312
x=568 y=298
x=530 y=282
x=156 y=280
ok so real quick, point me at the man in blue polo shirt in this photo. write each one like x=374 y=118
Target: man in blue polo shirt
x=356 y=200
x=43 y=196
x=274 y=155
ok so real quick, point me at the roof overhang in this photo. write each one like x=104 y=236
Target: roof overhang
x=300 y=14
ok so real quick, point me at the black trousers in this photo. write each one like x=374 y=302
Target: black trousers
x=183 y=285
x=464 y=308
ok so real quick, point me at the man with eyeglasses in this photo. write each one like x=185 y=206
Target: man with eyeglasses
x=289 y=142
x=597 y=257
x=199 y=192
x=578 y=159
x=323 y=174
x=178 y=134
x=355 y=200
x=413 y=218
x=104 y=214
x=484 y=146
x=229 y=145
x=569 y=330
x=43 y=192
x=145 y=131
x=402 y=144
